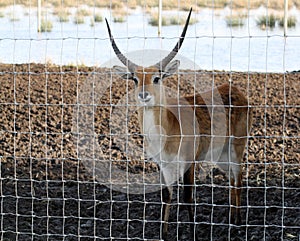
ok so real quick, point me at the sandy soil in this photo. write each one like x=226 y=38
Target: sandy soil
x=49 y=191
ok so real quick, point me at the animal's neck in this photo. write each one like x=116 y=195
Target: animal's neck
x=155 y=129
x=153 y=118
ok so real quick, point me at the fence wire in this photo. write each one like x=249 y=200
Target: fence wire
x=75 y=161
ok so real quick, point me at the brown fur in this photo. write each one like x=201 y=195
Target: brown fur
x=238 y=123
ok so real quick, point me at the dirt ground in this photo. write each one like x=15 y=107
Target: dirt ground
x=49 y=192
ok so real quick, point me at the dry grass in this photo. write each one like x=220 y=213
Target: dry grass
x=98 y=17
x=46 y=25
x=78 y=19
x=62 y=14
x=120 y=12
x=291 y=22
x=113 y=4
x=170 y=4
x=119 y=15
x=83 y=12
x=267 y=21
x=170 y=20
x=235 y=20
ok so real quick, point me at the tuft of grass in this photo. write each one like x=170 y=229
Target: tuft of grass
x=83 y=12
x=267 y=21
x=46 y=25
x=119 y=15
x=2 y=15
x=119 y=19
x=79 y=19
x=291 y=22
x=171 y=20
x=98 y=18
x=63 y=16
x=80 y=14
x=153 y=21
x=264 y=22
x=176 y=20
x=92 y=23
x=235 y=20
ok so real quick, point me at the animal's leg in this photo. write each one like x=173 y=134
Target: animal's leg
x=166 y=198
x=236 y=182
x=188 y=199
x=235 y=196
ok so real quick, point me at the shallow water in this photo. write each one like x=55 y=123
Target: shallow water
x=210 y=43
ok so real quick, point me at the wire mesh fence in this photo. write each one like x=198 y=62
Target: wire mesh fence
x=87 y=155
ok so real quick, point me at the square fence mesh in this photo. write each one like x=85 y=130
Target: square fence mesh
x=89 y=151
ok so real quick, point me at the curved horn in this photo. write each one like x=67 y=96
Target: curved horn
x=130 y=65
x=163 y=63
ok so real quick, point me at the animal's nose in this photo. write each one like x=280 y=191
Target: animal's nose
x=144 y=95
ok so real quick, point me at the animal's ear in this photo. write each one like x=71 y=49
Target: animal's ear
x=122 y=71
x=171 y=68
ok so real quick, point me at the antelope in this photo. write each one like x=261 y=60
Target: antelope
x=181 y=131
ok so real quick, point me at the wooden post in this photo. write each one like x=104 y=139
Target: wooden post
x=39 y=15
x=286 y=3
x=159 y=16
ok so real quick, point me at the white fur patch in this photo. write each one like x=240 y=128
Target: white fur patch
x=172 y=165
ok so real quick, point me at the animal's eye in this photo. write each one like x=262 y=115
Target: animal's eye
x=156 y=79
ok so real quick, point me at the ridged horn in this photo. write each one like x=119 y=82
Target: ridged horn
x=130 y=65
x=163 y=63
